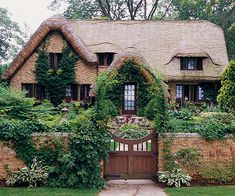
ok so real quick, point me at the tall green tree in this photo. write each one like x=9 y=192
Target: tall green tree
x=226 y=97
x=12 y=38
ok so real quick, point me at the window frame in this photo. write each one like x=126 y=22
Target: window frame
x=105 y=59
x=85 y=94
x=197 y=63
x=55 y=58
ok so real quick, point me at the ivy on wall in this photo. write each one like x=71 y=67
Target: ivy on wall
x=129 y=72
x=150 y=97
x=55 y=81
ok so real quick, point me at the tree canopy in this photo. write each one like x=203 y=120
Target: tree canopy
x=12 y=38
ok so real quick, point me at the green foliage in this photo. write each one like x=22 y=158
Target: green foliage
x=129 y=72
x=32 y=176
x=12 y=37
x=131 y=131
x=182 y=126
x=150 y=100
x=3 y=68
x=169 y=159
x=188 y=158
x=226 y=97
x=179 y=114
x=55 y=81
x=217 y=172
x=212 y=129
x=14 y=103
x=174 y=178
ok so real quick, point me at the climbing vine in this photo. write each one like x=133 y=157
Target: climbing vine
x=150 y=96
x=56 y=80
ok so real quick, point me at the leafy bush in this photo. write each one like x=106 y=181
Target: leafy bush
x=217 y=172
x=183 y=126
x=32 y=176
x=226 y=98
x=131 y=131
x=14 y=103
x=212 y=129
x=178 y=114
x=222 y=117
x=174 y=178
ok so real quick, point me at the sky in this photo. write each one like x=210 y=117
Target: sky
x=31 y=12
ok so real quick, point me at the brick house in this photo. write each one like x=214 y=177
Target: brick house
x=188 y=54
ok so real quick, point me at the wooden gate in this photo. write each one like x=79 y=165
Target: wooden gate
x=132 y=159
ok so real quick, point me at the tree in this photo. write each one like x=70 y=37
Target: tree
x=226 y=97
x=12 y=38
x=2 y=69
x=113 y=9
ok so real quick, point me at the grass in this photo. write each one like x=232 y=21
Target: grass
x=204 y=191
x=47 y=192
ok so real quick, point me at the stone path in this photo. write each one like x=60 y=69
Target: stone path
x=132 y=188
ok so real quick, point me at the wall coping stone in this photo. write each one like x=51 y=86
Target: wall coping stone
x=190 y=135
x=50 y=134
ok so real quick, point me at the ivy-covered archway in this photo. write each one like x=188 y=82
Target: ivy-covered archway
x=150 y=95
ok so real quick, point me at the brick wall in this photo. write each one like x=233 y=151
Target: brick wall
x=219 y=151
x=8 y=157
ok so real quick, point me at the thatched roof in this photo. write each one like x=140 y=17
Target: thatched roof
x=159 y=42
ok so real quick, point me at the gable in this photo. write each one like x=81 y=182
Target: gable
x=53 y=23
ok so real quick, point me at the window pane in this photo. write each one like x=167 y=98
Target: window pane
x=191 y=63
x=129 y=97
x=28 y=88
x=84 y=91
x=40 y=92
x=179 y=91
x=200 y=93
x=74 y=91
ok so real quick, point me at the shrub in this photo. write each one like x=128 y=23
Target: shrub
x=222 y=117
x=131 y=131
x=174 y=178
x=32 y=176
x=183 y=126
x=216 y=172
x=14 y=103
x=212 y=129
x=178 y=114
x=226 y=98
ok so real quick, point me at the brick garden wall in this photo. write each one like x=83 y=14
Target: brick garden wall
x=8 y=157
x=219 y=151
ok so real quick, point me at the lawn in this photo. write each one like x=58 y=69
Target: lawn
x=47 y=192
x=205 y=191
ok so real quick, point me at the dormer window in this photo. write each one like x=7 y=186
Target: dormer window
x=55 y=60
x=191 y=63
x=105 y=59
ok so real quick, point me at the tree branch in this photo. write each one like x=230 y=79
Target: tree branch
x=151 y=13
